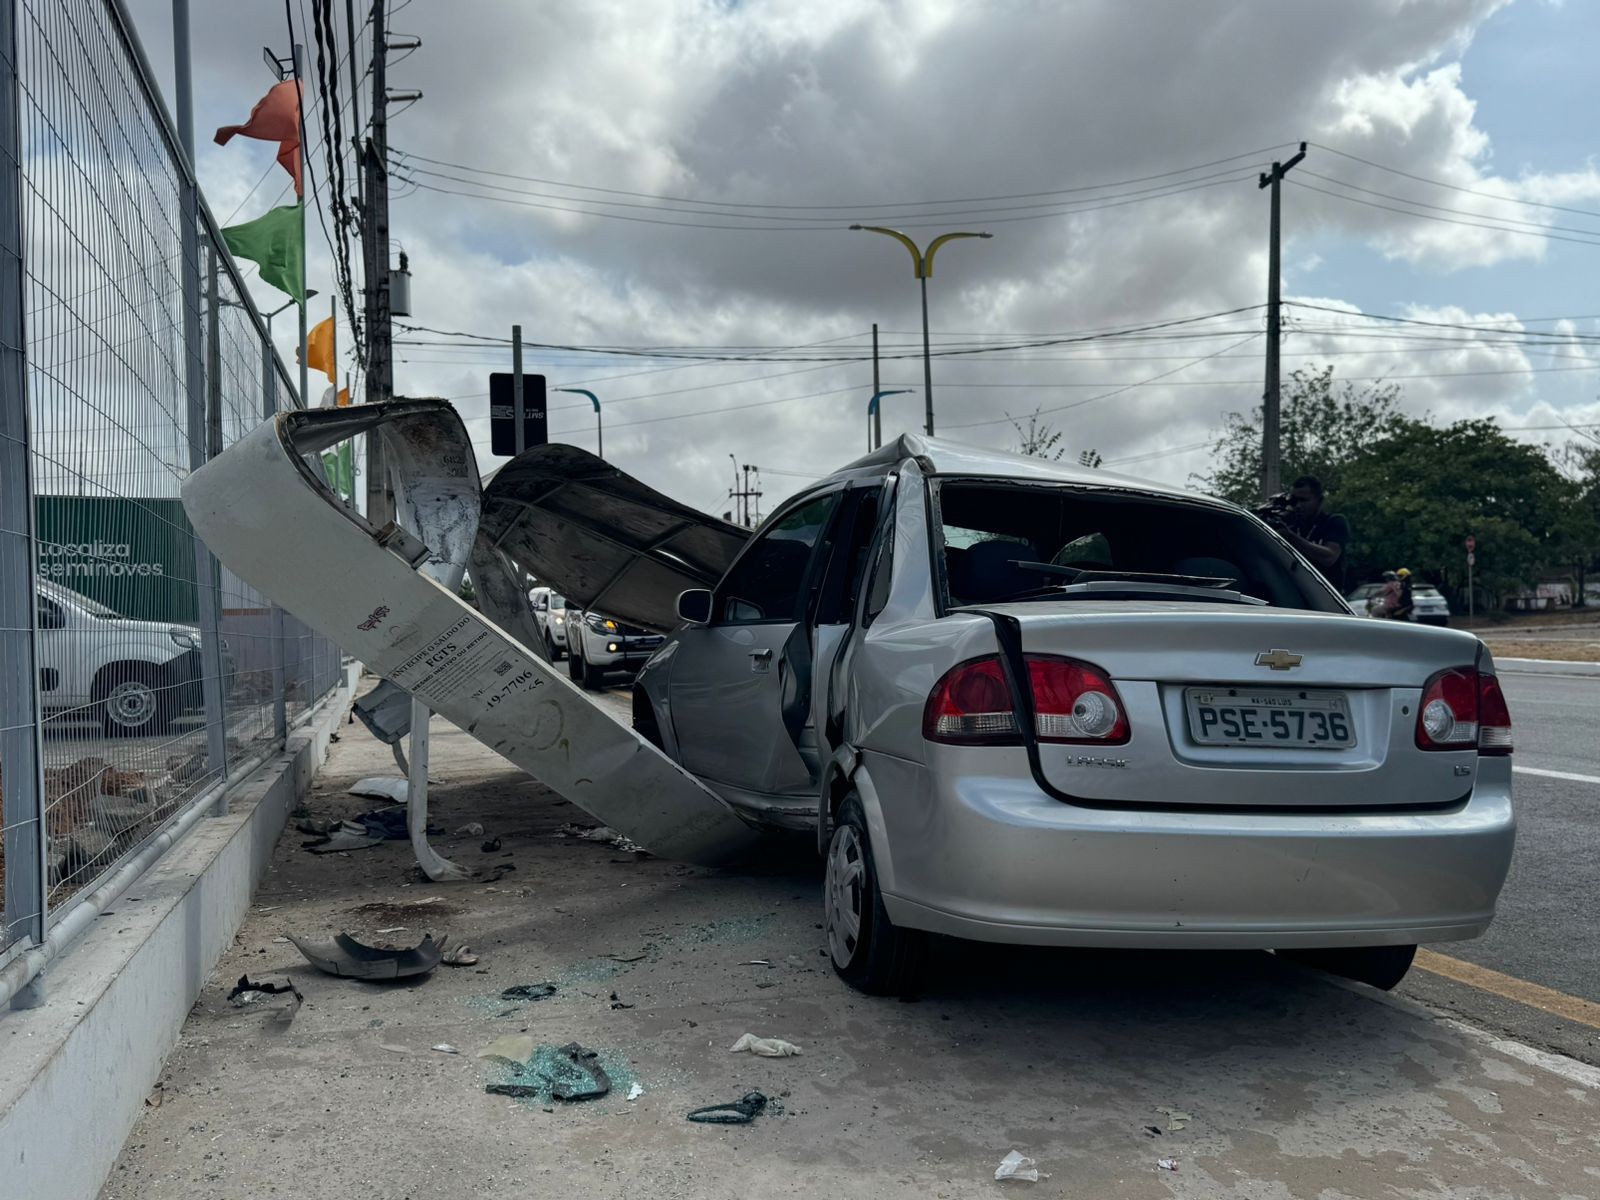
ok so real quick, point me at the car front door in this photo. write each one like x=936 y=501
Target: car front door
x=741 y=685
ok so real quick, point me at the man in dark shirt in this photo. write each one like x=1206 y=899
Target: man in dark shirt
x=1320 y=536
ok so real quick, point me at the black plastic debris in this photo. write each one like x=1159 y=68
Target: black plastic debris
x=529 y=991
x=249 y=991
x=351 y=959
x=490 y=846
x=520 y=1091
x=617 y=1002
x=741 y=1112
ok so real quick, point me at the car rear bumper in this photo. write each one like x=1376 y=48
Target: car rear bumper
x=994 y=859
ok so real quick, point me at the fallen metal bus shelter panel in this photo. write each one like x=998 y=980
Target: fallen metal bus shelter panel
x=264 y=513
x=606 y=541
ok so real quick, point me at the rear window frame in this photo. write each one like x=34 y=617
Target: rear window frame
x=1302 y=568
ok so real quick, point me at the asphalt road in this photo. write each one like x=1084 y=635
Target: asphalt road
x=1544 y=933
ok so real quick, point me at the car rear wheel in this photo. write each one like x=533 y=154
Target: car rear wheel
x=869 y=952
x=133 y=699
x=1382 y=967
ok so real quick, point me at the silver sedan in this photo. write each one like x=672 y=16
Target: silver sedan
x=1024 y=702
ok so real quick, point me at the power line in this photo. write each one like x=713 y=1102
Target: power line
x=836 y=207
x=1064 y=212
x=680 y=352
x=1464 y=212
x=1439 y=183
x=1063 y=206
x=1406 y=212
x=1117 y=391
x=1547 y=338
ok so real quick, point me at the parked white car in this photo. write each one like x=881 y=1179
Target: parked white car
x=550 y=615
x=134 y=676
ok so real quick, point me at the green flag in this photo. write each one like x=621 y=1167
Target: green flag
x=277 y=241
x=339 y=466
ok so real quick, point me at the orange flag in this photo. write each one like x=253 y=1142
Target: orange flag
x=275 y=119
x=319 y=348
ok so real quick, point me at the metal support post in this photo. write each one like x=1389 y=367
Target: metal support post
x=205 y=572
x=877 y=413
x=205 y=440
x=21 y=735
x=517 y=409
x=280 y=695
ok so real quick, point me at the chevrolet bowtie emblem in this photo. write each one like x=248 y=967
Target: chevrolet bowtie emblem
x=1278 y=660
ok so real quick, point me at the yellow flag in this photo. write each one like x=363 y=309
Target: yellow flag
x=344 y=398
x=319 y=348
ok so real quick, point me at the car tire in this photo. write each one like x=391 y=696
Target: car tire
x=134 y=700
x=594 y=678
x=1382 y=967
x=574 y=663
x=867 y=949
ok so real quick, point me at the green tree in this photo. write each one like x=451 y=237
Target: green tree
x=1324 y=426
x=1414 y=495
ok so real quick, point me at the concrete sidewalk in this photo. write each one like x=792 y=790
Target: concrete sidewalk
x=1297 y=1086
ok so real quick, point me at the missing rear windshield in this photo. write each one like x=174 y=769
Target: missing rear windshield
x=1004 y=542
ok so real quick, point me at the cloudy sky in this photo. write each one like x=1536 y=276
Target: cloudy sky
x=682 y=173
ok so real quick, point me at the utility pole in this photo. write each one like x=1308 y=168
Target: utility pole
x=749 y=514
x=877 y=414
x=1271 y=484
x=375 y=253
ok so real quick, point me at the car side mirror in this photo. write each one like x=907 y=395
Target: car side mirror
x=694 y=606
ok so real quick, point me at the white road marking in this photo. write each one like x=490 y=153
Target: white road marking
x=1569 y=775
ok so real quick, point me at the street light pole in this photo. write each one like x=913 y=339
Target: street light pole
x=874 y=416
x=599 y=433
x=922 y=260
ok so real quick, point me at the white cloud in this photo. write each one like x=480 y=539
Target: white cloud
x=879 y=104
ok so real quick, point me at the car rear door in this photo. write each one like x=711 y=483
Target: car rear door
x=741 y=686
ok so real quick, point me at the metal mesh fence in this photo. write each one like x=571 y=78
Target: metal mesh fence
x=136 y=672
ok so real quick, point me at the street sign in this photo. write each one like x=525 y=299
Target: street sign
x=1472 y=559
x=1472 y=543
x=502 y=423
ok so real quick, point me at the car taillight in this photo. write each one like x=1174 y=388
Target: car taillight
x=1073 y=702
x=1462 y=709
x=1448 y=716
x=1494 y=717
x=971 y=706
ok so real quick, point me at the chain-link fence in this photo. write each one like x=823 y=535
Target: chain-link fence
x=135 y=672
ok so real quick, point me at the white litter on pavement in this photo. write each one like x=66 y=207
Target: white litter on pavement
x=635 y=1091
x=1019 y=1166
x=764 y=1047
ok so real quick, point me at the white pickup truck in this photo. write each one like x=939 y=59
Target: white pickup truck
x=133 y=676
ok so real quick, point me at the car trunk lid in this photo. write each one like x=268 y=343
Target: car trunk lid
x=1168 y=659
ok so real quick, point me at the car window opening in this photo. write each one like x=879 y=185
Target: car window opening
x=1002 y=542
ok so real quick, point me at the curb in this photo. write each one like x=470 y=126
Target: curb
x=1547 y=666
x=116 y=1000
